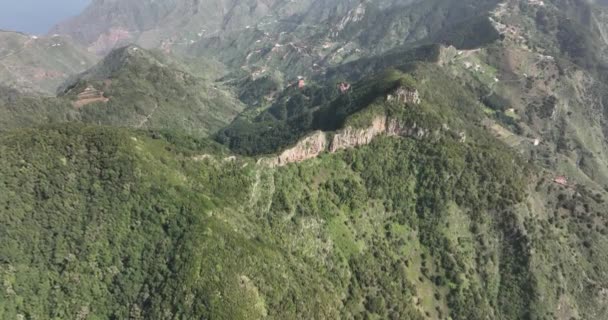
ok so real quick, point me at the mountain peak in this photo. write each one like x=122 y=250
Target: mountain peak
x=140 y=88
x=130 y=57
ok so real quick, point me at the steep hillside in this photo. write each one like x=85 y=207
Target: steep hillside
x=322 y=105
x=104 y=24
x=39 y=63
x=429 y=217
x=541 y=86
x=293 y=38
x=331 y=34
x=133 y=88
x=18 y=109
x=136 y=88
x=545 y=83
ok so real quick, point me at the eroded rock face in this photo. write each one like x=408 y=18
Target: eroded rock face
x=350 y=137
x=395 y=128
x=317 y=143
x=307 y=148
x=404 y=95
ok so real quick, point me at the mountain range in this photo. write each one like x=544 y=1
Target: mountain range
x=338 y=159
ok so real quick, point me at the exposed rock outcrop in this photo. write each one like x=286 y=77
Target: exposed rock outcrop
x=394 y=128
x=404 y=95
x=307 y=148
x=350 y=137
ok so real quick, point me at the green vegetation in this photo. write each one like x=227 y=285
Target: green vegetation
x=114 y=204
x=109 y=223
x=569 y=30
x=297 y=112
x=103 y=217
x=18 y=110
x=470 y=34
x=144 y=91
x=132 y=88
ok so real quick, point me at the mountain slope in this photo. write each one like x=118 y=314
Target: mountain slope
x=136 y=88
x=105 y=23
x=39 y=63
x=423 y=221
x=133 y=88
x=18 y=109
x=277 y=35
x=166 y=253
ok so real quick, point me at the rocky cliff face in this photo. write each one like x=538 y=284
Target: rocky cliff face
x=404 y=95
x=307 y=148
x=349 y=137
x=396 y=128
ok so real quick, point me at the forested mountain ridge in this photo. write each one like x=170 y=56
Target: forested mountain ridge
x=447 y=162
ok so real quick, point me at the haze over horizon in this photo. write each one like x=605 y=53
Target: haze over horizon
x=37 y=16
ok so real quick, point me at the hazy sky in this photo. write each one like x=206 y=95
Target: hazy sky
x=37 y=16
